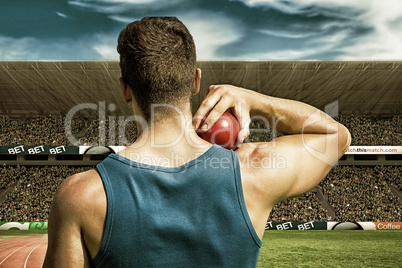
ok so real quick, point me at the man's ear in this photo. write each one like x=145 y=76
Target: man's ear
x=197 y=81
x=127 y=94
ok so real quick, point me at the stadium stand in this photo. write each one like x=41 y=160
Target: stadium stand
x=48 y=130
x=363 y=193
x=367 y=95
x=355 y=193
x=374 y=131
x=34 y=188
x=305 y=208
x=367 y=131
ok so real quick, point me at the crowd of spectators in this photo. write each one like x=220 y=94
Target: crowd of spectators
x=354 y=193
x=374 y=131
x=39 y=130
x=50 y=130
x=365 y=131
x=363 y=193
x=34 y=189
x=304 y=208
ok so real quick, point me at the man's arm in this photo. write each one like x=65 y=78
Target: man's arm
x=315 y=144
x=75 y=205
x=290 y=165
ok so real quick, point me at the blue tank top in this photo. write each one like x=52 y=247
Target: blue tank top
x=188 y=216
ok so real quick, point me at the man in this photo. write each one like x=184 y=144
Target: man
x=172 y=199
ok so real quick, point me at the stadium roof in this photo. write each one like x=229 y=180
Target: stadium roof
x=372 y=87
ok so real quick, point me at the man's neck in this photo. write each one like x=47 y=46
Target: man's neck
x=168 y=138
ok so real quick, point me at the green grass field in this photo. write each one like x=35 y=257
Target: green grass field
x=331 y=249
x=316 y=248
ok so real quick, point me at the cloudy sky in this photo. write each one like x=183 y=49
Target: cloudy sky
x=222 y=29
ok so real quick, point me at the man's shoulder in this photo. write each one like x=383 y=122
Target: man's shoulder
x=80 y=190
x=265 y=160
x=81 y=182
x=262 y=153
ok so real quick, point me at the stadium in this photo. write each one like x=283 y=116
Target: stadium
x=55 y=121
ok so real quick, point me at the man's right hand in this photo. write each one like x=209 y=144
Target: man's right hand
x=218 y=99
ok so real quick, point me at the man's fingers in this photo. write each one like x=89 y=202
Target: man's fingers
x=216 y=102
x=207 y=104
x=242 y=114
x=219 y=98
x=216 y=112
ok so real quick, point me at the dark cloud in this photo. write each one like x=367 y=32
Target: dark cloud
x=242 y=29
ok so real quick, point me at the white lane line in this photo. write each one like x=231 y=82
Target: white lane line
x=26 y=261
x=14 y=252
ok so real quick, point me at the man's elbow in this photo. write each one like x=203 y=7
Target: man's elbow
x=344 y=140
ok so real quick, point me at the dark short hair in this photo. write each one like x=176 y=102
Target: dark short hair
x=158 y=62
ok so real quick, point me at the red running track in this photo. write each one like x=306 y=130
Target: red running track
x=23 y=252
